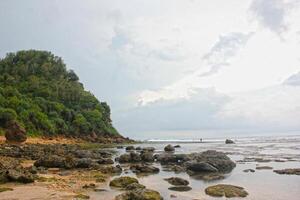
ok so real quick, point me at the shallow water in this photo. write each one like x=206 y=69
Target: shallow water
x=261 y=185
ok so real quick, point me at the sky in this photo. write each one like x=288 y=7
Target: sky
x=173 y=68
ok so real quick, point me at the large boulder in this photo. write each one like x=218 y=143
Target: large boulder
x=15 y=133
x=216 y=159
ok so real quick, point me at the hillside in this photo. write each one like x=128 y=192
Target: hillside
x=42 y=96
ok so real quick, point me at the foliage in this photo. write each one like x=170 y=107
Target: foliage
x=38 y=91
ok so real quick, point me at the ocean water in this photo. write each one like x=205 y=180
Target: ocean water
x=261 y=185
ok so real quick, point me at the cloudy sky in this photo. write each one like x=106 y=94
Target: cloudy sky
x=173 y=68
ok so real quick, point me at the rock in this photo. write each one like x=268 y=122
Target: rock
x=89 y=186
x=129 y=158
x=198 y=167
x=219 y=160
x=12 y=171
x=147 y=156
x=120 y=147
x=228 y=191
x=208 y=176
x=100 y=190
x=177 y=146
x=20 y=176
x=173 y=196
x=81 y=196
x=135 y=186
x=228 y=141
x=15 y=133
x=294 y=171
x=138 y=148
x=54 y=161
x=129 y=148
x=111 y=169
x=249 y=170
x=167 y=158
x=124 y=158
x=4 y=189
x=142 y=168
x=263 y=167
x=151 y=149
x=169 y=148
x=174 y=168
x=140 y=194
x=180 y=188
x=105 y=161
x=177 y=181
x=123 y=182
x=135 y=157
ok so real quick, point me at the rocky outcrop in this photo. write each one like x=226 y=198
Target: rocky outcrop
x=12 y=171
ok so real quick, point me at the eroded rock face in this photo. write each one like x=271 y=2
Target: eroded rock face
x=228 y=191
x=15 y=133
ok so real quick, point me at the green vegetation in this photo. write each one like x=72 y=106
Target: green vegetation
x=38 y=92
